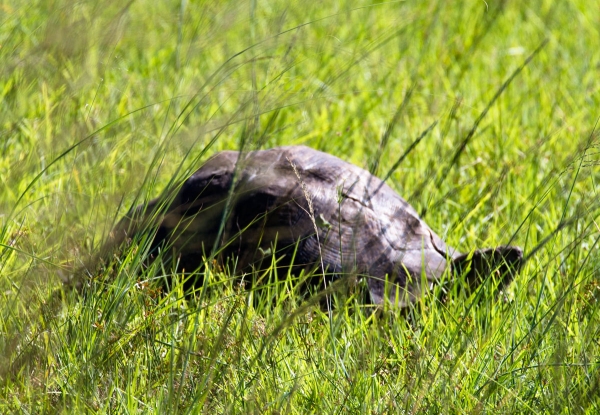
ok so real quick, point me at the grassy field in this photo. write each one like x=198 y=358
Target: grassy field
x=104 y=102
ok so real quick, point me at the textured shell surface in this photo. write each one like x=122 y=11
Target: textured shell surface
x=309 y=208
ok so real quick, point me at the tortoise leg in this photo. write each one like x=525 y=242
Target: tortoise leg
x=503 y=261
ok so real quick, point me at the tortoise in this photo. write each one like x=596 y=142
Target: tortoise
x=311 y=211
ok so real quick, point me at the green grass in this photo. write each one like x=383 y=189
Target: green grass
x=103 y=103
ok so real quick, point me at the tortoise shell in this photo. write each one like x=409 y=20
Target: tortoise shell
x=311 y=210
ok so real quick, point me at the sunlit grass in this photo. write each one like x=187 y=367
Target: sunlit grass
x=104 y=104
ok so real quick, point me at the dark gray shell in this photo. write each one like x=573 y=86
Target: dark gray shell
x=244 y=205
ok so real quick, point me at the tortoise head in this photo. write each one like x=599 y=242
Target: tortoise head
x=478 y=266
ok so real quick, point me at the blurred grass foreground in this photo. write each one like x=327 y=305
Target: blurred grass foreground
x=103 y=103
